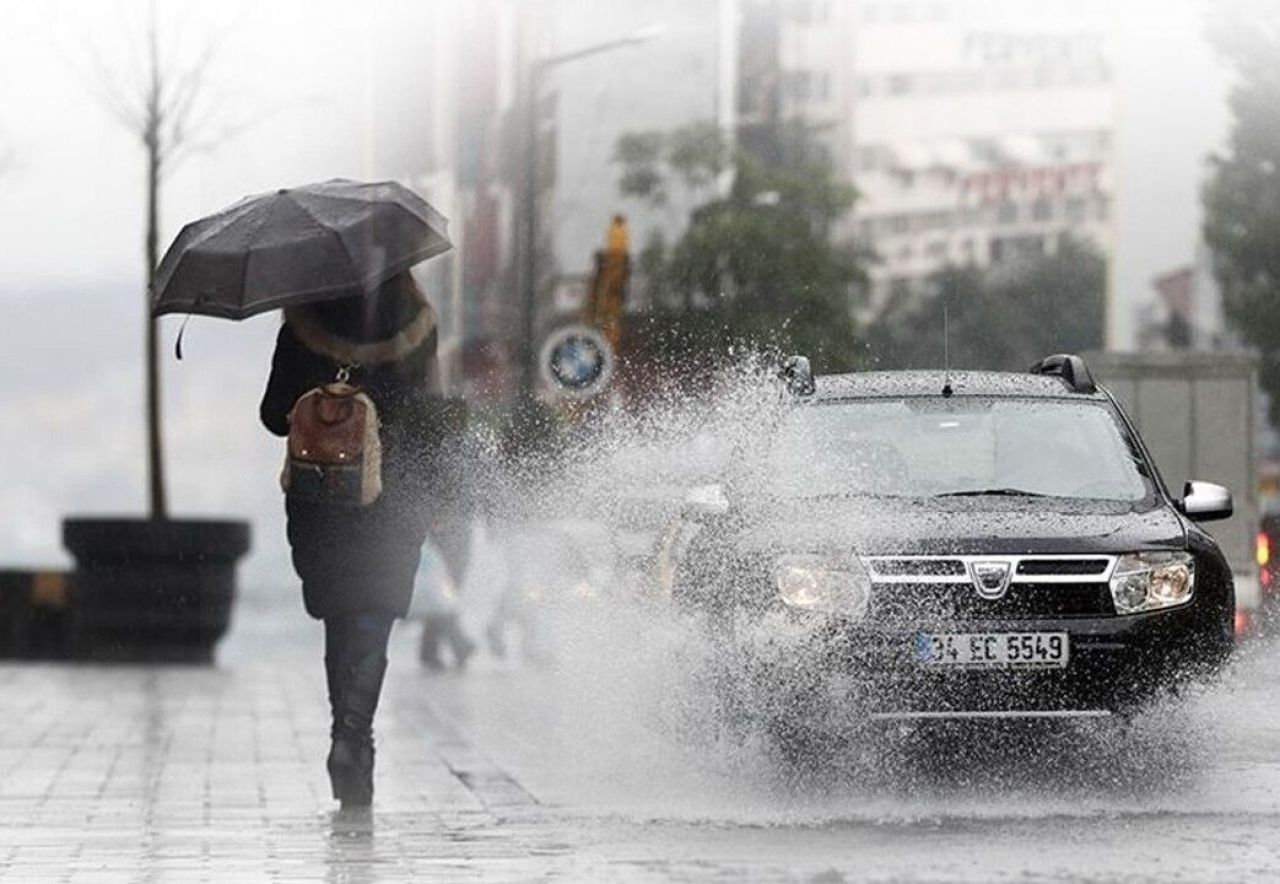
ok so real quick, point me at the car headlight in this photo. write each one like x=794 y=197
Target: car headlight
x=1151 y=581
x=814 y=583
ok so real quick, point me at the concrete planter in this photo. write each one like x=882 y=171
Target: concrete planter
x=151 y=591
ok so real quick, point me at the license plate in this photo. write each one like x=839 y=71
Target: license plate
x=996 y=649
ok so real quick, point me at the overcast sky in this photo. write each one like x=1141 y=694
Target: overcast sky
x=337 y=85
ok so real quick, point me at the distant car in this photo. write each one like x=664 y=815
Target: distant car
x=919 y=545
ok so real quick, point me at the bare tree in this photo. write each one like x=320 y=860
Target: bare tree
x=168 y=108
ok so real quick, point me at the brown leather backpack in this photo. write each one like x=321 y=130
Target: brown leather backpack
x=334 y=451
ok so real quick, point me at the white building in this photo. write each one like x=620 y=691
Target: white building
x=975 y=130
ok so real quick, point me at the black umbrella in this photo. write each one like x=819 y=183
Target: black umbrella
x=296 y=246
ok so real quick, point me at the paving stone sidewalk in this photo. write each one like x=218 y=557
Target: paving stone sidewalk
x=180 y=774
x=189 y=774
x=173 y=774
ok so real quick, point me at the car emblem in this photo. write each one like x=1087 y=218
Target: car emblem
x=990 y=579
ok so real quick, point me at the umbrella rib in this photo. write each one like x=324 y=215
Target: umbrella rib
x=422 y=254
x=430 y=215
x=224 y=220
x=333 y=233
x=244 y=270
x=342 y=242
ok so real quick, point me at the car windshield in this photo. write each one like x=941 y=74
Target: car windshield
x=928 y=447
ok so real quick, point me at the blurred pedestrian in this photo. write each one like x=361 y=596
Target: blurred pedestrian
x=531 y=455
x=447 y=557
x=436 y=603
x=357 y=562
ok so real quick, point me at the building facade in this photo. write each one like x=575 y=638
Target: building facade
x=976 y=131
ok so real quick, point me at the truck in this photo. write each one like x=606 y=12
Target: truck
x=1198 y=412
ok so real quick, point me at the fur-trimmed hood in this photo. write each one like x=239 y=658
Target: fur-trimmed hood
x=315 y=337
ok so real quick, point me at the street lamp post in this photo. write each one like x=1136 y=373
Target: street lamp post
x=537 y=69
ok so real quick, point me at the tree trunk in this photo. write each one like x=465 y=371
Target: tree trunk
x=159 y=507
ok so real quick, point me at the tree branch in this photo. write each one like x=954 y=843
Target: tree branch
x=100 y=81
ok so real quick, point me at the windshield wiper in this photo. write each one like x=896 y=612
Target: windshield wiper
x=992 y=492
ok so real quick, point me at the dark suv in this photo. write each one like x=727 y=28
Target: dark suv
x=918 y=545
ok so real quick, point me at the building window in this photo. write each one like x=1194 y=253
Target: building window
x=1007 y=213
x=941 y=220
x=985 y=151
x=937 y=250
x=1042 y=209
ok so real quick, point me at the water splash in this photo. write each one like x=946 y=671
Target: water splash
x=647 y=712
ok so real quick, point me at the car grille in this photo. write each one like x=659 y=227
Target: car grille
x=1023 y=601
x=1055 y=567
x=933 y=588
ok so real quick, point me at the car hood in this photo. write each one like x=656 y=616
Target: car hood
x=991 y=525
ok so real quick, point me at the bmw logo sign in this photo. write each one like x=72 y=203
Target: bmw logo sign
x=577 y=361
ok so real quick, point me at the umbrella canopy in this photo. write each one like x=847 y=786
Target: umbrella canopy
x=296 y=246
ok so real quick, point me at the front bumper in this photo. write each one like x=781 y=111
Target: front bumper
x=1115 y=663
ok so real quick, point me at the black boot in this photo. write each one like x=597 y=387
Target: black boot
x=353 y=697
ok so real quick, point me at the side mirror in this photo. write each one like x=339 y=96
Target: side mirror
x=1206 y=502
x=797 y=374
x=705 y=502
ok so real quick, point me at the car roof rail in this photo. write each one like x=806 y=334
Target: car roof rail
x=797 y=374
x=1071 y=368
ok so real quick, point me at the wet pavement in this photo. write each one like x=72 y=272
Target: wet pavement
x=520 y=773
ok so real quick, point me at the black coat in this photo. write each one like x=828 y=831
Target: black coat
x=356 y=559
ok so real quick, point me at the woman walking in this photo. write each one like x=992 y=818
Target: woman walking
x=357 y=563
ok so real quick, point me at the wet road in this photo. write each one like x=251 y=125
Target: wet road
x=602 y=768
x=1190 y=792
